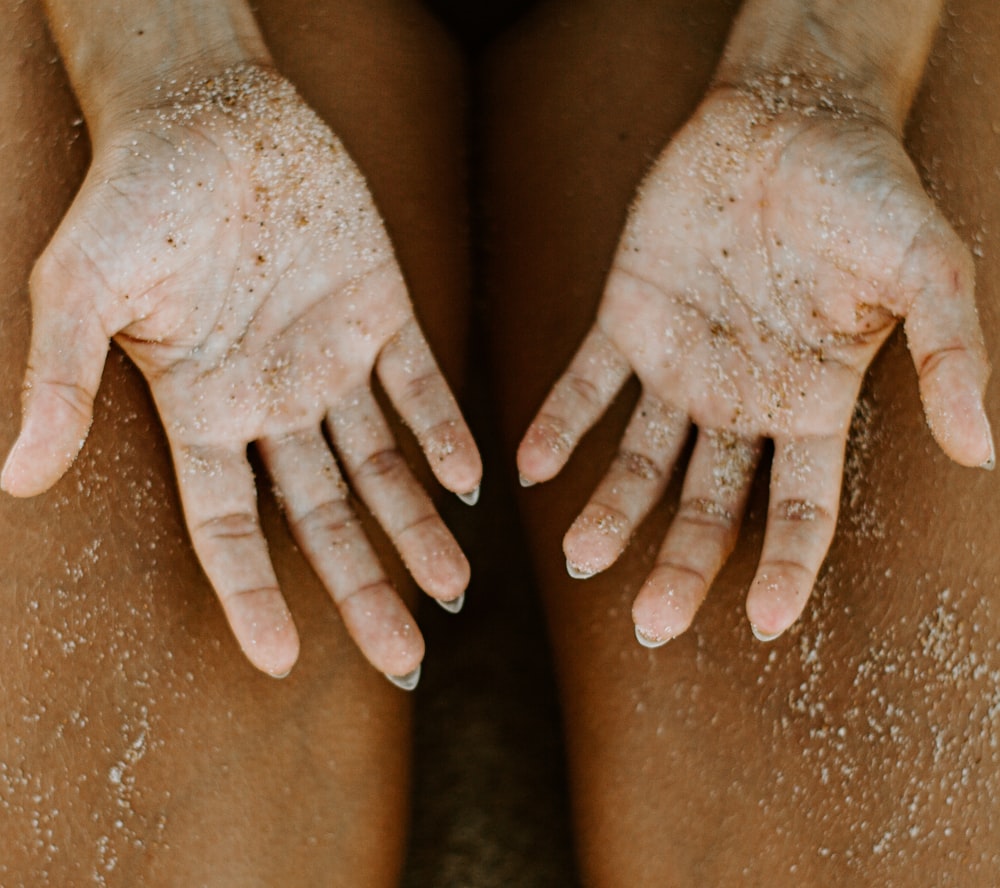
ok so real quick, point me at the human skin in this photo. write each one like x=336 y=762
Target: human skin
x=769 y=254
x=856 y=748
x=138 y=746
x=226 y=240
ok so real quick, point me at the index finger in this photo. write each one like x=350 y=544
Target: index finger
x=417 y=389
x=577 y=400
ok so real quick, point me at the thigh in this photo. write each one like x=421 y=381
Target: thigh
x=138 y=746
x=861 y=747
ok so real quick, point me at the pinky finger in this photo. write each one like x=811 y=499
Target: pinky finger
x=801 y=518
x=220 y=507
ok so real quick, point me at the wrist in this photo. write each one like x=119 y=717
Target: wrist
x=861 y=57
x=121 y=60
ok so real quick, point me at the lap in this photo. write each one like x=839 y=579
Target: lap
x=139 y=746
x=859 y=747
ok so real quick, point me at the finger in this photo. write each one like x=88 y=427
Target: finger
x=633 y=485
x=701 y=537
x=946 y=343
x=382 y=479
x=414 y=384
x=801 y=518
x=324 y=525
x=65 y=362
x=579 y=398
x=220 y=507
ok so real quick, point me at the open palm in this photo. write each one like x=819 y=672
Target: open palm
x=229 y=244
x=769 y=254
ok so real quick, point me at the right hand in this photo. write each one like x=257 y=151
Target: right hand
x=230 y=246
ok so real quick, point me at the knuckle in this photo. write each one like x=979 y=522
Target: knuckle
x=582 y=389
x=233 y=526
x=376 y=588
x=706 y=512
x=331 y=518
x=422 y=386
x=638 y=465
x=687 y=570
x=75 y=396
x=426 y=520
x=801 y=510
x=932 y=361
x=381 y=464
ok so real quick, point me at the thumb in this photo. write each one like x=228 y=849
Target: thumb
x=946 y=343
x=65 y=363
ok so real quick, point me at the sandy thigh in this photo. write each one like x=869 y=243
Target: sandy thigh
x=860 y=748
x=138 y=746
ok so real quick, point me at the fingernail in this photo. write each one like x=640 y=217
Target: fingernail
x=647 y=641
x=407 y=682
x=762 y=636
x=578 y=574
x=526 y=482
x=280 y=675
x=470 y=498
x=453 y=606
x=991 y=461
x=4 y=477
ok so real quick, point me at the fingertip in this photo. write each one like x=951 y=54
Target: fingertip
x=265 y=630
x=8 y=477
x=593 y=543
x=962 y=429
x=383 y=629
x=459 y=468
x=28 y=472
x=439 y=566
x=275 y=651
x=541 y=455
x=665 y=608
x=774 y=603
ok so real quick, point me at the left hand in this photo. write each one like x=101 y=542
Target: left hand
x=769 y=254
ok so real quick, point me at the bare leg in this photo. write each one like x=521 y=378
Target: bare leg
x=139 y=747
x=861 y=747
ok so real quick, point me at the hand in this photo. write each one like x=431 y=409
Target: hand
x=230 y=246
x=769 y=254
